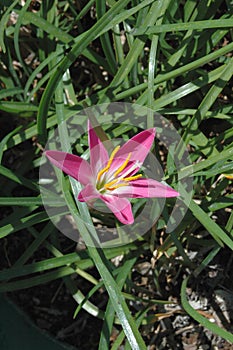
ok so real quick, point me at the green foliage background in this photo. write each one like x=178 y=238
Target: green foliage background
x=172 y=56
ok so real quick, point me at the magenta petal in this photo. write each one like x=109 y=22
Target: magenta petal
x=145 y=188
x=72 y=165
x=88 y=193
x=139 y=146
x=98 y=153
x=120 y=207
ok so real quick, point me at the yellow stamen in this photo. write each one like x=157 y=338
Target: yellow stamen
x=108 y=186
x=131 y=178
x=104 y=170
x=116 y=186
x=228 y=176
x=123 y=165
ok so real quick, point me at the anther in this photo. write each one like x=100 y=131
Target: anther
x=109 y=184
x=125 y=180
x=124 y=165
x=104 y=170
x=116 y=186
x=132 y=178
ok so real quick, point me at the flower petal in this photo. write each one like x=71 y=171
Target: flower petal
x=72 y=165
x=120 y=207
x=145 y=188
x=88 y=193
x=139 y=145
x=98 y=153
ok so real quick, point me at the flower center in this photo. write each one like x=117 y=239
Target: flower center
x=103 y=182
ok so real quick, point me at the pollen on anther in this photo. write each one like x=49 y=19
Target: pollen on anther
x=132 y=178
x=104 y=170
x=123 y=166
x=109 y=184
x=124 y=182
x=116 y=186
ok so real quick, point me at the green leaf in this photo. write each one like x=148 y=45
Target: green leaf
x=18 y=332
x=76 y=50
x=201 y=319
x=3 y=24
x=197 y=25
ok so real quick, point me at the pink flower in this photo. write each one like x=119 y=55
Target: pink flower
x=112 y=178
